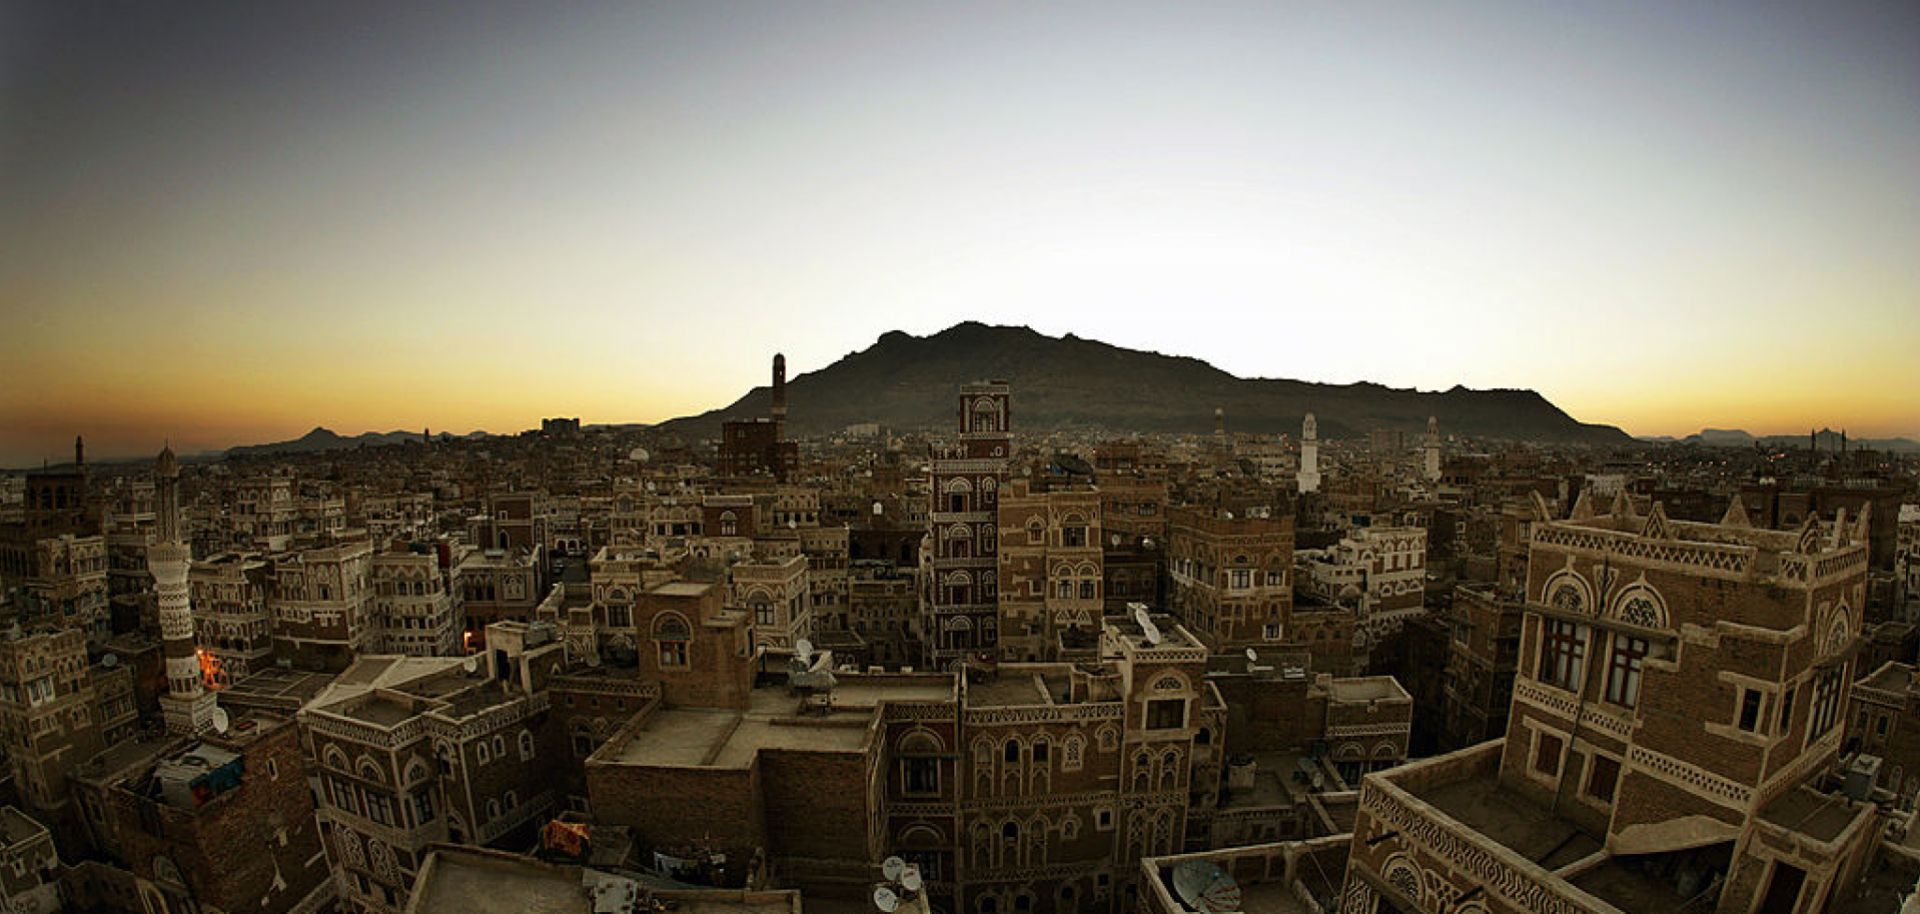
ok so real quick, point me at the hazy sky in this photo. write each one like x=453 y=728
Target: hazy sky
x=223 y=224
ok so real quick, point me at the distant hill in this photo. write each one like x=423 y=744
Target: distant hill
x=324 y=439
x=911 y=382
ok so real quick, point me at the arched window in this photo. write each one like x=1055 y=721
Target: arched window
x=526 y=746
x=1012 y=751
x=671 y=635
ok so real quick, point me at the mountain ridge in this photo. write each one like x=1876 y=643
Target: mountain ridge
x=911 y=383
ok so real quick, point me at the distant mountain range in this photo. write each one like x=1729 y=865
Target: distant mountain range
x=1828 y=440
x=911 y=383
x=326 y=439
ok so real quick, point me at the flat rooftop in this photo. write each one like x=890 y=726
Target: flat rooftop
x=1371 y=688
x=17 y=826
x=1620 y=883
x=1822 y=817
x=774 y=720
x=1522 y=825
x=1275 y=782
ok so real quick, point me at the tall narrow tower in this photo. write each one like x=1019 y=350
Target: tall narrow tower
x=1220 y=427
x=963 y=528
x=187 y=706
x=1309 y=455
x=779 y=397
x=1431 y=450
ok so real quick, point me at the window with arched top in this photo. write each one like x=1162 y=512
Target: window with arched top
x=671 y=637
x=526 y=746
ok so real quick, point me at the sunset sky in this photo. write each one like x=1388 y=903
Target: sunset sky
x=226 y=224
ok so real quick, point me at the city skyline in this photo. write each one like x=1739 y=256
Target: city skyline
x=236 y=225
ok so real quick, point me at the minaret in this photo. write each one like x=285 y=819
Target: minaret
x=1432 y=449
x=79 y=451
x=188 y=707
x=1309 y=456
x=779 y=397
x=1220 y=428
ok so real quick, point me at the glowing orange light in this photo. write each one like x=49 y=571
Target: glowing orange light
x=209 y=668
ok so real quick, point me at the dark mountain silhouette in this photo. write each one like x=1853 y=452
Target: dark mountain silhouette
x=910 y=383
x=324 y=439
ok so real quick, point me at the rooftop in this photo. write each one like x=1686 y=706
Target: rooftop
x=1524 y=826
x=774 y=720
x=1369 y=688
x=17 y=827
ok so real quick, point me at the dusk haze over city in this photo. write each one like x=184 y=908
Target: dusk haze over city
x=926 y=457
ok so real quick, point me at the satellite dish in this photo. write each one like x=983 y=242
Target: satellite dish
x=910 y=880
x=1203 y=886
x=110 y=661
x=221 y=721
x=892 y=867
x=1252 y=657
x=471 y=664
x=803 y=648
x=1147 y=627
x=886 y=899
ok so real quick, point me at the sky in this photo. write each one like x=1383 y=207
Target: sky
x=230 y=223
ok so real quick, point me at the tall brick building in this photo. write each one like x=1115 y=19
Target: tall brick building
x=1051 y=568
x=1680 y=689
x=961 y=559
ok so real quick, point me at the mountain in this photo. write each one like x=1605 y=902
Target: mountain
x=910 y=382
x=322 y=439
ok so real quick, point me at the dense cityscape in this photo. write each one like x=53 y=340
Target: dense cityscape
x=921 y=457
x=964 y=669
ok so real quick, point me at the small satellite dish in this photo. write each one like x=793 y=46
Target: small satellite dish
x=471 y=664
x=886 y=899
x=221 y=721
x=1252 y=657
x=1147 y=628
x=110 y=661
x=803 y=648
x=910 y=880
x=892 y=867
x=1203 y=886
